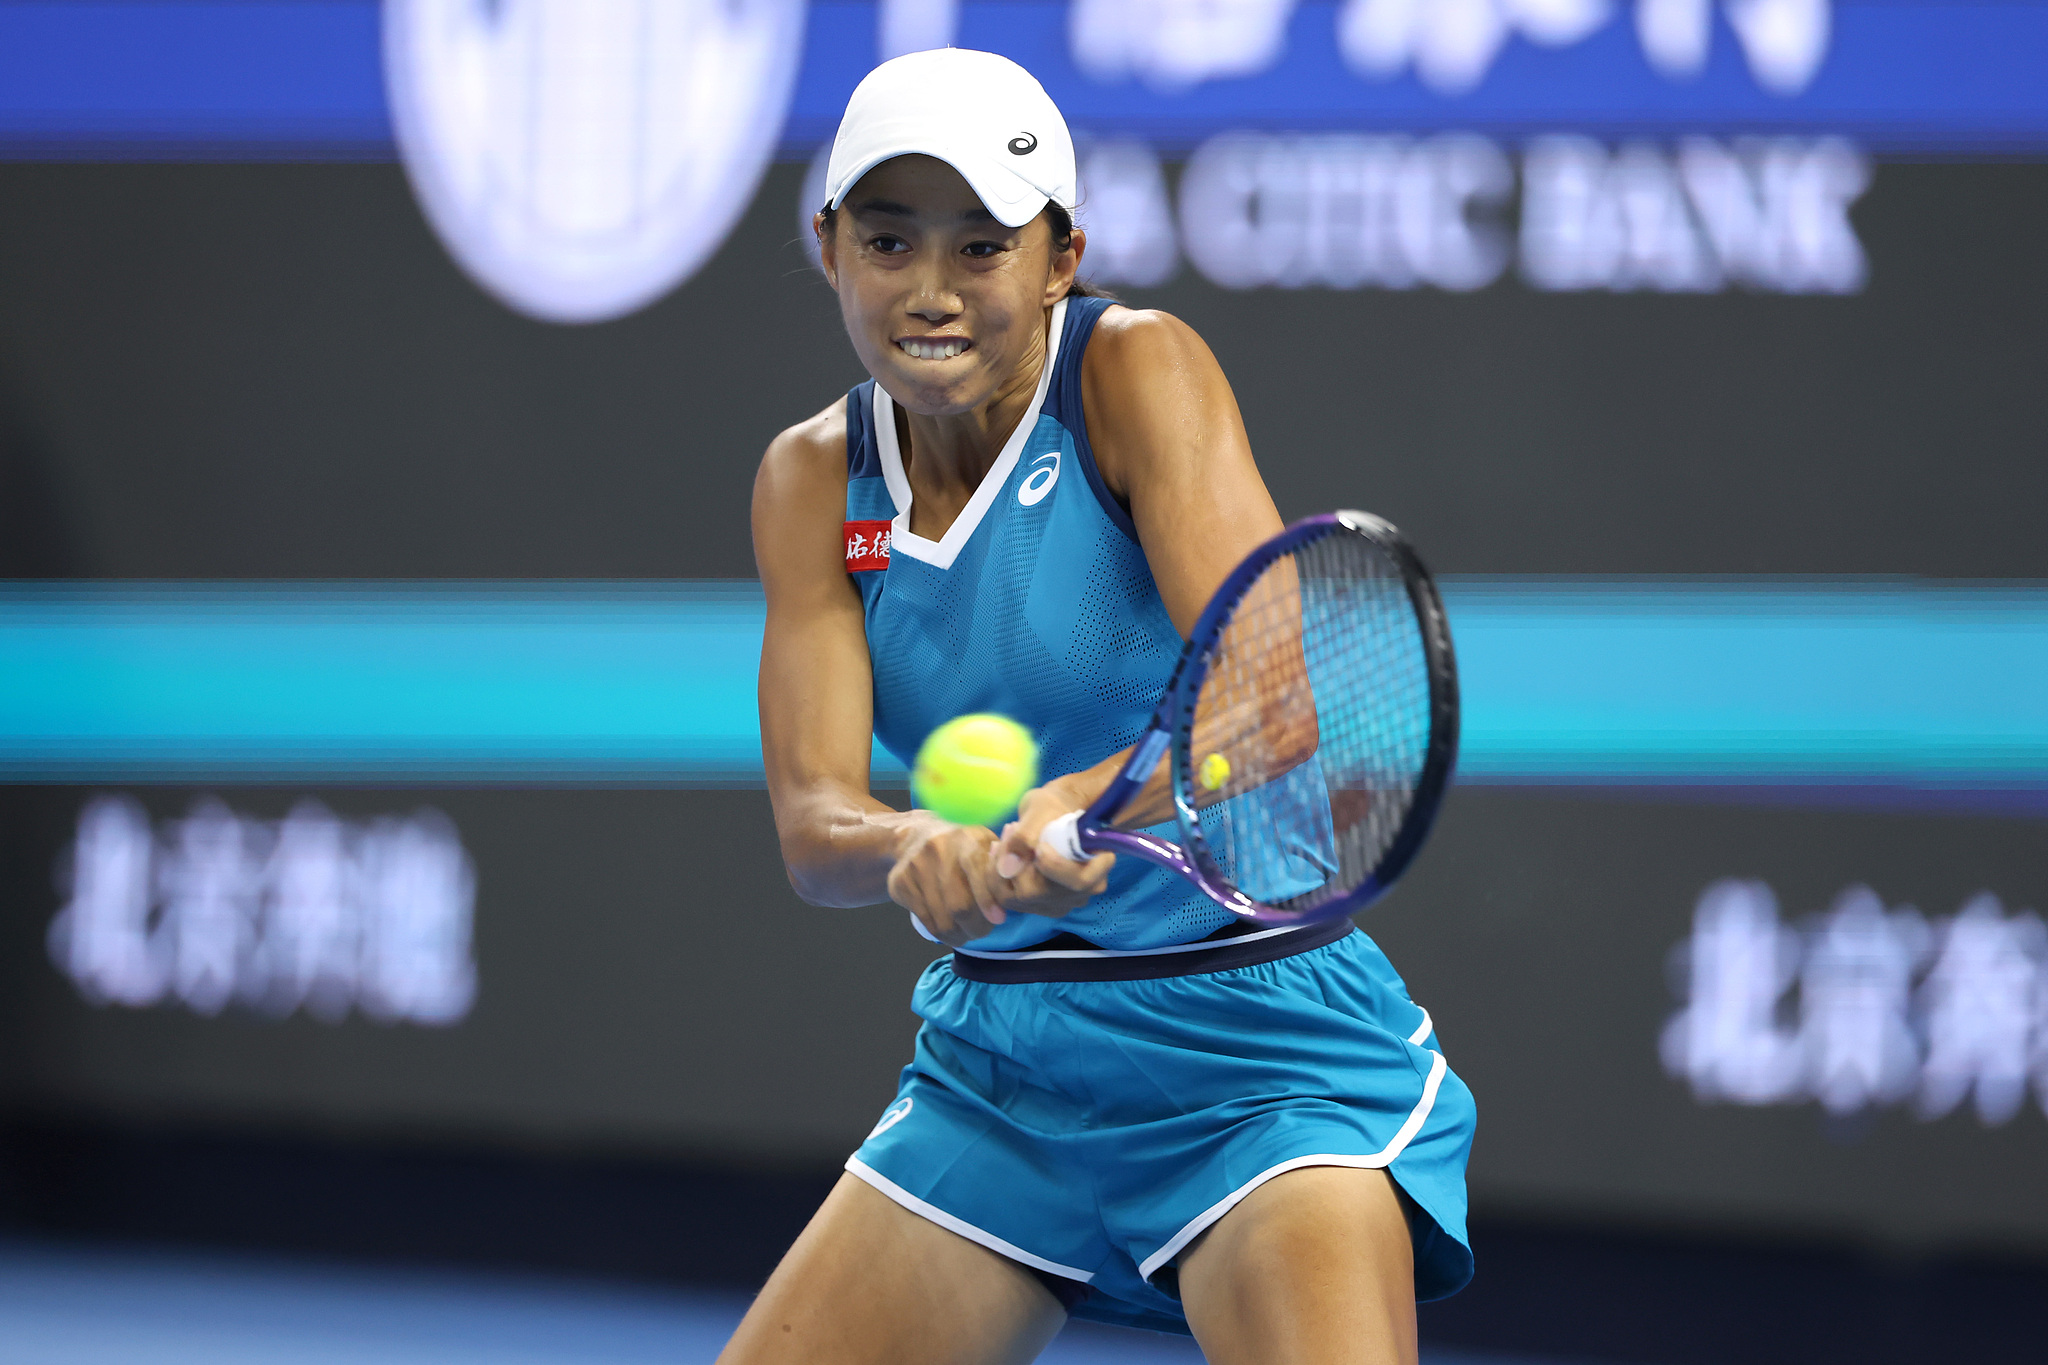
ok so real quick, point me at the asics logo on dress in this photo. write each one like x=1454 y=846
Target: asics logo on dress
x=1040 y=480
x=894 y=1115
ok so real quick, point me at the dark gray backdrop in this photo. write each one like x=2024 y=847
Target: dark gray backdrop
x=275 y=371
x=219 y=371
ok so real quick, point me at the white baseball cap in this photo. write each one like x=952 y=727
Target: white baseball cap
x=983 y=115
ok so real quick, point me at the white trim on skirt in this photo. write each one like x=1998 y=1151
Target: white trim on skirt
x=1377 y=1161
x=1423 y=1030
x=856 y=1167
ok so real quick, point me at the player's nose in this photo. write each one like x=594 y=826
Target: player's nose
x=932 y=296
x=935 y=306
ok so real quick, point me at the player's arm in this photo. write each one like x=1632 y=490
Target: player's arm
x=838 y=842
x=843 y=847
x=1171 y=445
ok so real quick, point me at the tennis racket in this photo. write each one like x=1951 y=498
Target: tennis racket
x=1311 y=724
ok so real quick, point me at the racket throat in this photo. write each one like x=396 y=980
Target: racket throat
x=1125 y=786
x=1076 y=839
x=1145 y=756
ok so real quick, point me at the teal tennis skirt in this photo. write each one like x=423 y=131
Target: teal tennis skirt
x=1090 y=1130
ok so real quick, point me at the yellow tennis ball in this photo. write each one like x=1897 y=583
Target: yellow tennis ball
x=974 y=769
x=1214 y=772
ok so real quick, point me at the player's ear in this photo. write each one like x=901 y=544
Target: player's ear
x=1066 y=263
x=827 y=248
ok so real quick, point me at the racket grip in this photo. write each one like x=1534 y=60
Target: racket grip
x=1063 y=835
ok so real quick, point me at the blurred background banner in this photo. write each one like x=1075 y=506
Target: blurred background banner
x=582 y=157
x=382 y=838
x=306 y=78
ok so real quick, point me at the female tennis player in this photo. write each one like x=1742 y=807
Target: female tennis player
x=1124 y=1104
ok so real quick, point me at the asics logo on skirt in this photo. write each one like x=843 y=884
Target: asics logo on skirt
x=893 y=1115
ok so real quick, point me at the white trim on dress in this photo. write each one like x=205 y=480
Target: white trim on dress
x=1377 y=1161
x=941 y=553
x=856 y=1167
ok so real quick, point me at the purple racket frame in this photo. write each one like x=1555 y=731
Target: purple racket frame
x=1171 y=730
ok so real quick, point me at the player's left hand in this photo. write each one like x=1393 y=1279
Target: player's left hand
x=1040 y=880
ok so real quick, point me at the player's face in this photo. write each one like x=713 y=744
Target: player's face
x=945 y=305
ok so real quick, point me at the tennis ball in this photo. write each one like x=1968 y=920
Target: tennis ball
x=974 y=769
x=1215 y=771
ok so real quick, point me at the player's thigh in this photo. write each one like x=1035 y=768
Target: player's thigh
x=1314 y=1267
x=870 y=1281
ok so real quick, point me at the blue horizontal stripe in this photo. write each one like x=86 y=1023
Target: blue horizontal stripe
x=470 y=682
x=304 y=79
x=1870 y=683
x=1846 y=683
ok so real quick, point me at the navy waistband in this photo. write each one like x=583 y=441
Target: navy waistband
x=1231 y=947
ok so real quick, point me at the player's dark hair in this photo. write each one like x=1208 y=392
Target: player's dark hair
x=1058 y=219
x=1062 y=224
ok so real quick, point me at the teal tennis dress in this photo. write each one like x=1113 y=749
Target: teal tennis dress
x=1090 y=1093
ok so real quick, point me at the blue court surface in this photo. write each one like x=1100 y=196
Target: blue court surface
x=67 y=1305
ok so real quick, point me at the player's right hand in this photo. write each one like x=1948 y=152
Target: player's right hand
x=1033 y=873
x=944 y=876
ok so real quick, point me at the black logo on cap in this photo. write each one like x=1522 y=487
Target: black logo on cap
x=1023 y=146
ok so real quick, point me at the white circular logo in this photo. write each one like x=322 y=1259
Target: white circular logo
x=1040 y=480
x=894 y=1115
x=580 y=158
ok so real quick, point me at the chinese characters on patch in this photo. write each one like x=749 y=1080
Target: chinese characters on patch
x=867 y=545
x=1863 y=1006
x=310 y=912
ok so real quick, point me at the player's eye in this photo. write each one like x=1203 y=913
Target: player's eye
x=981 y=251
x=888 y=245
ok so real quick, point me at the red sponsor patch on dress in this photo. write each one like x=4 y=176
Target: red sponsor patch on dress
x=867 y=546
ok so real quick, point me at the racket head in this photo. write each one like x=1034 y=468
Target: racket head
x=1315 y=722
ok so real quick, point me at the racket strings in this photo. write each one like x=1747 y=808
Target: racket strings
x=1312 y=728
